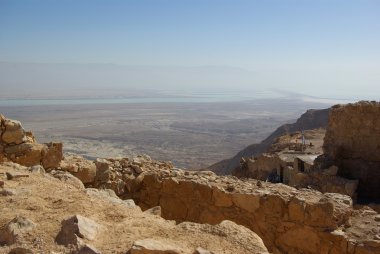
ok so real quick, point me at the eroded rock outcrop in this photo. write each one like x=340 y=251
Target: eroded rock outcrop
x=19 y=146
x=352 y=142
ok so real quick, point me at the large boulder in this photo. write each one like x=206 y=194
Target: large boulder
x=76 y=227
x=67 y=178
x=84 y=169
x=13 y=133
x=52 y=155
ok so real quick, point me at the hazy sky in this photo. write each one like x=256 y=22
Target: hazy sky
x=305 y=45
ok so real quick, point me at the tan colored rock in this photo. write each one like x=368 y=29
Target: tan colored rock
x=26 y=154
x=83 y=169
x=246 y=201
x=353 y=144
x=299 y=239
x=221 y=198
x=14 y=133
x=297 y=209
x=152 y=246
x=109 y=195
x=77 y=226
x=67 y=178
x=30 y=137
x=232 y=232
x=52 y=155
x=38 y=169
x=12 y=231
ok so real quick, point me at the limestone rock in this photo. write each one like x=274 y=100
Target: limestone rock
x=52 y=155
x=26 y=154
x=231 y=231
x=15 y=229
x=67 y=178
x=14 y=133
x=352 y=142
x=38 y=169
x=152 y=246
x=77 y=226
x=83 y=169
x=109 y=195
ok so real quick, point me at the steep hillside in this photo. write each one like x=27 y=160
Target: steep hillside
x=312 y=119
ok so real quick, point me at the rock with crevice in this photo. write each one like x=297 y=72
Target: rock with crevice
x=77 y=226
x=83 y=169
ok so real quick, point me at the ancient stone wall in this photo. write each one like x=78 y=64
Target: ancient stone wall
x=263 y=167
x=19 y=146
x=352 y=142
x=288 y=220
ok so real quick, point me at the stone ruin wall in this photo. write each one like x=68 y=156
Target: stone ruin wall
x=323 y=180
x=288 y=220
x=352 y=143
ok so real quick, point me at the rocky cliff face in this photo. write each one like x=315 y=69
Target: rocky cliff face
x=352 y=142
x=312 y=119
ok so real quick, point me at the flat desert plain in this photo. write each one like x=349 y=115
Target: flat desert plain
x=191 y=135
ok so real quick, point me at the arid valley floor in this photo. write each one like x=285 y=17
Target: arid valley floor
x=192 y=135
